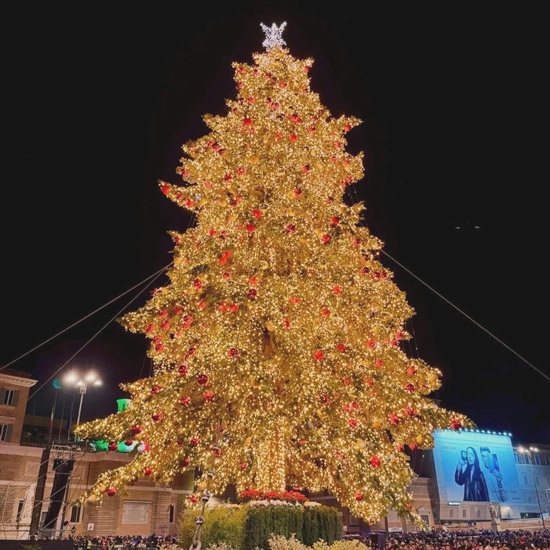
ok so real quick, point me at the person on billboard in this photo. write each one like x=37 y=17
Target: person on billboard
x=469 y=474
x=493 y=475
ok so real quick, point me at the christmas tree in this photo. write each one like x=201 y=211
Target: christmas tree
x=277 y=343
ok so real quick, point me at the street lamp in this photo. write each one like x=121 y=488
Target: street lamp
x=82 y=381
x=529 y=452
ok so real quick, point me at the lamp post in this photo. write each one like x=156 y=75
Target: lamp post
x=529 y=452
x=82 y=381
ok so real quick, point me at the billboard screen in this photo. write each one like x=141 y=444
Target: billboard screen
x=475 y=467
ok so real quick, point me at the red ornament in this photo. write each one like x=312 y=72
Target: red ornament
x=413 y=446
x=148 y=471
x=250 y=227
x=240 y=170
x=185 y=400
x=197 y=283
x=307 y=68
x=232 y=352
x=185 y=462
x=365 y=269
x=337 y=289
x=409 y=388
x=325 y=238
x=305 y=168
x=295 y=118
x=149 y=328
x=183 y=370
x=325 y=312
x=394 y=419
x=111 y=491
x=411 y=370
x=347 y=127
x=113 y=446
x=243 y=465
x=194 y=441
x=352 y=422
x=165 y=189
x=257 y=213
x=358 y=497
x=193 y=499
x=157 y=417
x=191 y=351
x=375 y=462
x=252 y=281
x=334 y=221
x=128 y=442
x=371 y=343
x=291 y=228
x=136 y=429
x=202 y=379
x=323 y=398
x=293 y=137
x=247 y=121
x=252 y=293
x=208 y=395
x=379 y=363
x=408 y=411
x=319 y=355
x=155 y=390
x=159 y=347
x=456 y=424
x=341 y=347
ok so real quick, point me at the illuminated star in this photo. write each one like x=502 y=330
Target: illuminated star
x=273 y=35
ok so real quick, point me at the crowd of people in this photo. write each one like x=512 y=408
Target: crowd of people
x=470 y=540
x=115 y=542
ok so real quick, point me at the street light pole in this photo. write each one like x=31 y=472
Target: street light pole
x=81 y=382
x=529 y=452
x=83 y=388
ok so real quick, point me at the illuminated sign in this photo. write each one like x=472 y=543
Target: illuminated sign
x=475 y=467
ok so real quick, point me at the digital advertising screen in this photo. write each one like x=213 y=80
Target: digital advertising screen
x=475 y=467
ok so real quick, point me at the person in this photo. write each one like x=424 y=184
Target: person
x=469 y=474
x=493 y=476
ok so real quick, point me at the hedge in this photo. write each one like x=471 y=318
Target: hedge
x=248 y=527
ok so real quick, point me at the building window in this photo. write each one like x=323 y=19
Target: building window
x=527 y=461
x=451 y=513
x=525 y=480
x=20 y=506
x=8 y=397
x=171 y=514
x=75 y=513
x=536 y=480
x=464 y=512
x=478 y=513
x=537 y=460
x=5 y=432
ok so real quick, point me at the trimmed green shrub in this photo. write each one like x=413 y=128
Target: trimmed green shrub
x=221 y=524
x=250 y=527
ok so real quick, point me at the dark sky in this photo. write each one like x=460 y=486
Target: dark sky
x=452 y=104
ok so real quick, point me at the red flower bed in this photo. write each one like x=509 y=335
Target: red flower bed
x=289 y=496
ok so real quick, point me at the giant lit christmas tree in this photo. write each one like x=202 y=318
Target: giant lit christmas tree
x=277 y=341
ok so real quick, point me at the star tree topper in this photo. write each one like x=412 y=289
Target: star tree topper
x=273 y=35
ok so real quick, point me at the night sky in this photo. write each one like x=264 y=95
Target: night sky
x=452 y=104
